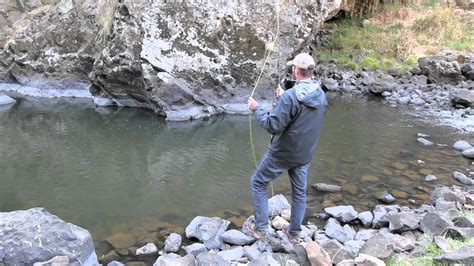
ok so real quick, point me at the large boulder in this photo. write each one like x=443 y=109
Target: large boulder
x=183 y=60
x=378 y=246
x=434 y=223
x=35 y=235
x=462 y=97
x=462 y=256
x=440 y=69
x=208 y=230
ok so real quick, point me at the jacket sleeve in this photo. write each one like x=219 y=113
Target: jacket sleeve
x=278 y=119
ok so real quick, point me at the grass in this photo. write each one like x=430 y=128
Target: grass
x=398 y=37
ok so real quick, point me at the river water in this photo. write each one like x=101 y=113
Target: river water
x=116 y=170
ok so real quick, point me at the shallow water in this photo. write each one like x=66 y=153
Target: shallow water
x=115 y=170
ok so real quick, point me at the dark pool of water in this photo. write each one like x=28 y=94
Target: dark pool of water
x=116 y=170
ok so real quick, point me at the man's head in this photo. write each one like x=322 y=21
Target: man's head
x=302 y=66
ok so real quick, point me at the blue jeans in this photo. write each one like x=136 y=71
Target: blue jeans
x=268 y=170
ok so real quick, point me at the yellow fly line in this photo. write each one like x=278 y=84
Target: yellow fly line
x=268 y=49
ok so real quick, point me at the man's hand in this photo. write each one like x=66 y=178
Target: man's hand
x=252 y=105
x=279 y=91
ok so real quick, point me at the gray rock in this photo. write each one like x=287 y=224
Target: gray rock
x=424 y=208
x=469 y=153
x=402 y=244
x=115 y=263
x=463 y=222
x=330 y=84
x=422 y=135
x=468 y=70
x=464 y=256
x=320 y=237
x=367 y=260
x=301 y=255
x=366 y=218
x=278 y=223
x=354 y=246
x=365 y=234
x=327 y=187
x=277 y=204
x=172 y=243
x=424 y=141
x=341 y=233
x=148 y=249
x=443 y=244
x=446 y=207
x=434 y=223
x=172 y=259
x=462 y=178
x=211 y=258
x=394 y=71
x=56 y=261
x=344 y=214
x=232 y=254
x=462 y=97
x=404 y=100
x=265 y=259
x=285 y=243
x=386 y=198
x=380 y=217
x=440 y=69
x=336 y=251
x=252 y=252
x=195 y=249
x=236 y=237
x=417 y=101
x=462 y=145
x=208 y=230
x=33 y=235
x=430 y=178
x=378 y=246
x=5 y=100
x=404 y=221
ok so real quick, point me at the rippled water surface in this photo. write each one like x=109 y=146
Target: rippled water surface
x=115 y=170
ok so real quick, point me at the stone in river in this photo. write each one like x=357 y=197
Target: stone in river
x=344 y=214
x=421 y=135
x=399 y=194
x=426 y=171
x=387 y=197
x=4 y=100
x=120 y=241
x=208 y=230
x=430 y=178
x=370 y=178
x=148 y=249
x=424 y=141
x=351 y=188
x=327 y=187
x=400 y=166
x=462 y=145
x=387 y=172
x=469 y=153
x=462 y=178
x=173 y=243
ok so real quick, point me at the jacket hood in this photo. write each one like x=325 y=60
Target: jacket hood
x=309 y=93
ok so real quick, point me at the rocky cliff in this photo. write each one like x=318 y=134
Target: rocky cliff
x=182 y=59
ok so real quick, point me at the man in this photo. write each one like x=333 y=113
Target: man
x=295 y=124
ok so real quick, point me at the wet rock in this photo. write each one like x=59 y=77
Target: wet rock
x=174 y=259
x=367 y=260
x=236 y=237
x=195 y=249
x=115 y=263
x=336 y=251
x=344 y=214
x=469 y=153
x=208 y=230
x=121 y=241
x=327 y=187
x=412 y=201
x=277 y=204
x=404 y=221
x=252 y=252
x=341 y=233
x=5 y=100
x=424 y=141
x=462 y=97
x=103 y=101
x=366 y=218
x=443 y=244
x=232 y=254
x=402 y=244
x=365 y=234
x=422 y=135
x=21 y=230
x=378 y=246
x=148 y=249
x=354 y=246
x=462 y=178
x=463 y=222
x=316 y=255
x=173 y=243
x=430 y=178
x=462 y=145
x=386 y=197
x=370 y=178
x=464 y=255
x=56 y=261
x=434 y=223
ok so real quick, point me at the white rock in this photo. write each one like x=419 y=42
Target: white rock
x=278 y=223
x=172 y=243
x=424 y=141
x=147 y=249
x=4 y=100
x=430 y=178
x=469 y=153
x=103 y=101
x=462 y=145
x=232 y=254
x=286 y=214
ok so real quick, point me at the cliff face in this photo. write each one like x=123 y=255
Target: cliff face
x=183 y=59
